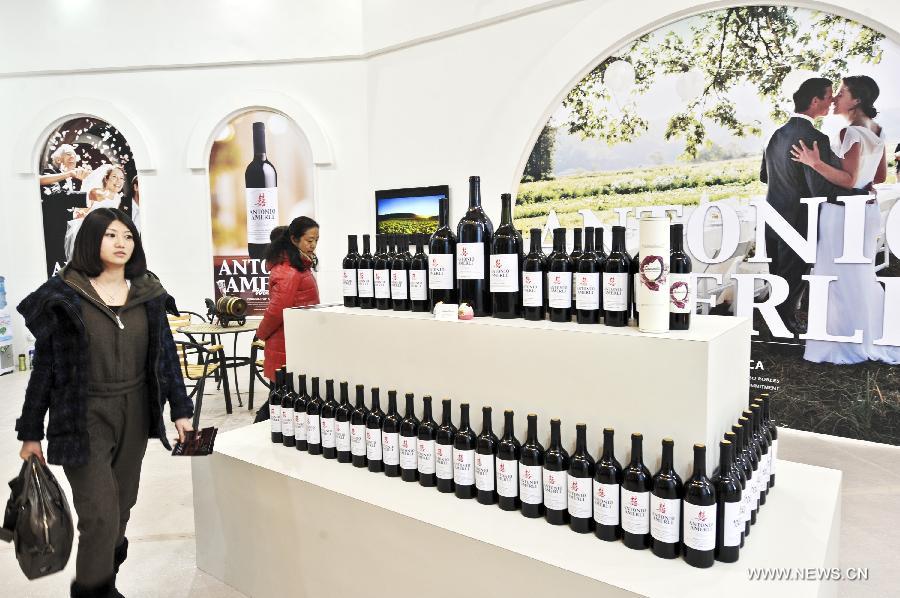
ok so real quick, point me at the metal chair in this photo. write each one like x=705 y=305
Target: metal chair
x=210 y=360
x=255 y=366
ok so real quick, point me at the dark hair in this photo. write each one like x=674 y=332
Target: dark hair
x=809 y=89
x=865 y=91
x=86 y=252
x=281 y=248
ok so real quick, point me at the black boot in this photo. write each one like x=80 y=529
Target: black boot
x=121 y=554
x=105 y=590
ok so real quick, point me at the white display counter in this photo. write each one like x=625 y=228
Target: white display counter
x=272 y=521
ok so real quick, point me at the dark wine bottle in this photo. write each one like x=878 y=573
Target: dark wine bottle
x=350 y=265
x=737 y=472
x=699 y=514
x=358 y=429
x=742 y=459
x=426 y=434
x=275 y=407
x=531 y=472
x=390 y=437
x=600 y=250
x=443 y=450
x=261 y=184
x=314 y=420
x=329 y=409
x=485 y=460
x=400 y=278
x=464 y=456
x=633 y=285
x=418 y=278
x=374 y=419
x=556 y=466
x=665 y=506
x=607 y=489
x=442 y=259
x=763 y=440
x=729 y=520
x=288 y=436
x=773 y=432
x=577 y=251
x=382 y=275
x=302 y=398
x=587 y=282
x=505 y=256
x=755 y=453
x=342 y=425
x=534 y=280
x=393 y=243
x=581 y=473
x=365 y=272
x=636 y=486
x=615 y=282
x=409 y=429
x=559 y=280
x=508 y=452
x=474 y=233
x=680 y=284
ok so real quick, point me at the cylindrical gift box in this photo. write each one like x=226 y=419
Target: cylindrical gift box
x=652 y=284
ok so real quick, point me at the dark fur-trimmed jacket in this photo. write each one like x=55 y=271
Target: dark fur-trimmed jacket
x=59 y=380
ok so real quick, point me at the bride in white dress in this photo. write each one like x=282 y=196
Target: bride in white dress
x=855 y=299
x=104 y=190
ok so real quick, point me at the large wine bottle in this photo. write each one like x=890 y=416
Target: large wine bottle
x=559 y=280
x=350 y=280
x=616 y=299
x=729 y=520
x=329 y=410
x=365 y=271
x=485 y=456
x=534 y=280
x=275 y=407
x=474 y=233
x=587 y=282
x=581 y=473
x=342 y=425
x=665 y=506
x=418 y=278
x=390 y=437
x=636 y=486
x=426 y=435
x=464 y=456
x=374 y=454
x=508 y=452
x=302 y=398
x=737 y=472
x=400 y=278
x=505 y=256
x=288 y=396
x=699 y=514
x=531 y=472
x=681 y=287
x=261 y=184
x=382 y=275
x=556 y=466
x=409 y=430
x=607 y=489
x=358 y=429
x=443 y=449
x=442 y=259
x=313 y=420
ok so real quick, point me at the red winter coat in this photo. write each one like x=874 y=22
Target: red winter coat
x=288 y=287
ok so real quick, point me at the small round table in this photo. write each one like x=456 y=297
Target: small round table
x=234 y=361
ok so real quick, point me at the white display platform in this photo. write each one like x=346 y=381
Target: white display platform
x=690 y=386
x=272 y=521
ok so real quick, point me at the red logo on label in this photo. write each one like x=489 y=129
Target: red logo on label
x=634 y=501
x=584 y=280
x=497 y=263
x=662 y=508
x=557 y=280
x=701 y=515
x=459 y=457
x=551 y=479
x=574 y=486
x=465 y=252
x=440 y=452
x=612 y=280
x=434 y=262
x=601 y=492
x=502 y=467
x=261 y=200
x=527 y=474
x=405 y=444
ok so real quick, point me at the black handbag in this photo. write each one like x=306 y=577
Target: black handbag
x=38 y=521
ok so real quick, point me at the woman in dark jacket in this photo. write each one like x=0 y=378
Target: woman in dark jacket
x=105 y=365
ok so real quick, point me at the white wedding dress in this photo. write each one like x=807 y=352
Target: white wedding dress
x=93 y=181
x=855 y=299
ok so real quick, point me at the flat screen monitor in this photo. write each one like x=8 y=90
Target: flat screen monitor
x=409 y=211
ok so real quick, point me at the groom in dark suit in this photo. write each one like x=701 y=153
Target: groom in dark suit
x=790 y=181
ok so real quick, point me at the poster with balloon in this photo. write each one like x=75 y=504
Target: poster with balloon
x=700 y=121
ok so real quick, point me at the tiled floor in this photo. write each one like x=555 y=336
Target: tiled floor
x=161 y=559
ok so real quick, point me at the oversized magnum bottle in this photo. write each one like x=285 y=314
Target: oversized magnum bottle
x=390 y=437
x=364 y=276
x=587 y=282
x=665 y=506
x=409 y=429
x=464 y=456
x=636 y=486
x=531 y=468
x=358 y=429
x=729 y=519
x=505 y=255
x=350 y=281
x=418 y=278
x=681 y=287
x=559 y=279
x=442 y=259
x=616 y=300
x=426 y=436
x=288 y=396
x=400 y=276
x=699 y=514
x=302 y=398
x=342 y=425
x=556 y=466
x=381 y=274
x=474 y=233
x=485 y=457
x=581 y=472
x=508 y=452
x=275 y=407
x=261 y=184
x=443 y=449
x=607 y=489
x=534 y=280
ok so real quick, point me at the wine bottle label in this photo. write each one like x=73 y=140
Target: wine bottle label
x=418 y=285
x=665 y=518
x=300 y=425
x=559 y=289
x=587 y=290
x=681 y=293
x=756 y=489
x=532 y=289
x=555 y=489
x=328 y=432
x=390 y=448
x=358 y=440
x=313 y=429
x=635 y=512
x=408 y=452
x=342 y=436
x=287 y=422
x=615 y=292
x=443 y=458
x=440 y=271
x=373 y=444
x=734 y=524
x=504 y=273
x=349 y=282
x=470 y=261
x=425 y=457
x=747 y=500
x=764 y=472
x=275 y=418
x=531 y=484
x=699 y=526
x=484 y=472
x=382 y=284
x=365 y=282
x=606 y=503
x=399 y=285
x=262 y=214
x=507 y=480
x=464 y=467
x=774 y=454
x=651 y=283
x=579 y=497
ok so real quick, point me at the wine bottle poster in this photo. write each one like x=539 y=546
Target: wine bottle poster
x=86 y=164
x=260 y=177
x=678 y=122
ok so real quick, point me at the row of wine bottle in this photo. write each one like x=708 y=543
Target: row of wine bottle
x=490 y=271
x=602 y=496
